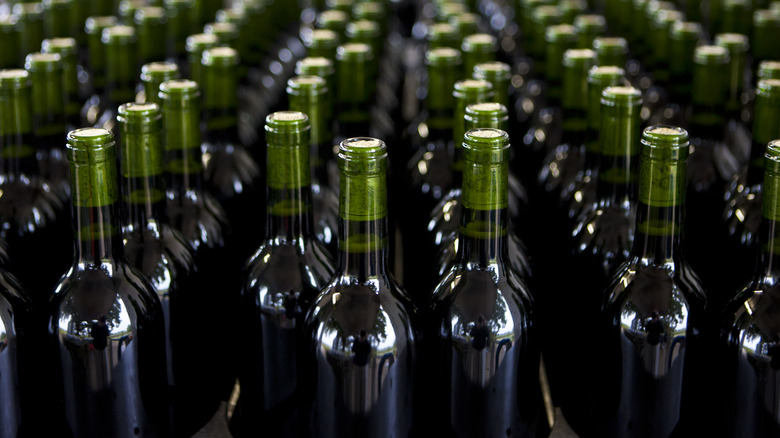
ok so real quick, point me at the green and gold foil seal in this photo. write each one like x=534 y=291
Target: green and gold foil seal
x=486 y=169
x=287 y=135
x=362 y=186
x=662 y=173
x=92 y=156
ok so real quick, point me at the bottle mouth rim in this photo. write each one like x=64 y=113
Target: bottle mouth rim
x=665 y=142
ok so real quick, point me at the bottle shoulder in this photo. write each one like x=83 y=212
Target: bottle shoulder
x=605 y=232
x=163 y=256
x=230 y=169
x=29 y=204
x=199 y=218
x=743 y=213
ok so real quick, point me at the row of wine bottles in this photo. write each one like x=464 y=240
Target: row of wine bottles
x=202 y=184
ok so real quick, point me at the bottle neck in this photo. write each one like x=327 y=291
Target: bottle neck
x=17 y=153
x=48 y=109
x=120 y=74
x=363 y=233
x=318 y=109
x=220 y=105
x=660 y=211
x=143 y=188
x=755 y=172
x=769 y=231
x=289 y=194
x=183 y=157
x=95 y=213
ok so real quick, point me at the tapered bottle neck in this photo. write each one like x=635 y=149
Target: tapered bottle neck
x=17 y=154
x=220 y=95
x=769 y=237
x=710 y=90
x=183 y=157
x=310 y=95
x=289 y=178
x=363 y=248
x=95 y=198
x=443 y=67
x=619 y=154
x=660 y=211
x=121 y=60
x=765 y=127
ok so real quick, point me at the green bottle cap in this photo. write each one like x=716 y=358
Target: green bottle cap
x=485 y=171
x=321 y=43
x=769 y=70
x=362 y=186
x=599 y=78
x=499 y=74
x=589 y=28
x=465 y=92
x=576 y=64
x=287 y=134
x=767 y=111
x=486 y=115
x=664 y=152
x=154 y=74
x=92 y=156
x=309 y=95
x=611 y=50
x=770 y=204
x=620 y=107
x=478 y=48
x=443 y=35
x=140 y=125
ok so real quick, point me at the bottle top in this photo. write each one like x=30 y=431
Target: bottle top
x=769 y=70
x=354 y=52
x=118 y=35
x=605 y=74
x=766 y=18
x=769 y=88
x=772 y=160
x=306 y=85
x=369 y=10
x=316 y=66
x=134 y=117
x=236 y=15
x=489 y=71
x=570 y=9
x=225 y=32
x=443 y=35
x=57 y=5
x=609 y=46
x=665 y=143
x=28 y=11
x=621 y=96
x=287 y=128
x=479 y=43
x=127 y=9
x=363 y=29
x=321 y=39
x=472 y=90
x=466 y=23
x=178 y=93
x=61 y=46
x=579 y=59
x=561 y=33
x=150 y=15
x=486 y=115
x=95 y=25
x=363 y=155
x=767 y=111
x=178 y=4
x=42 y=62
x=90 y=145
x=545 y=15
x=159 y=72
x=664 y=18
x=442 y=57
x=486 y=146
x=220 y=57
x=711 y=55
x=13 y=79
x=201 y=41
x=332 y=19
x=733 y=42
x=591 y=24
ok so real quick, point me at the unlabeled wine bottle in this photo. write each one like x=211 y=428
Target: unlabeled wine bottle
x=279 y=284
x=751 y=365
x=48 y=111
x=105 y=321
x=154 y=74
x=477 y=49
x=165 y=258
x=67 y=49
x=151 y=23
x=31 y=214
x=181 y=24
x=362 y=345
x=483 y=359
x=737 y=132
x=196 y=45
x=600 y=242
x=310 y=95
x=589 y=29
x=119 y=44
x=29 y=25
x=744 y=194
x=58 y=18
x=9 y=39
x=96 y=62
x=652 y=318
x=15 y=312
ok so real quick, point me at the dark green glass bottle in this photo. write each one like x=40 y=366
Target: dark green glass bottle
x=611 y=51
x=196 y=45
x=361 y=322
x=202 y=222
x=310 y=95
x=119 y=44
x=766 y=24
x=126 y=9
x=482 y=312
x=589 y=28
x=15 y=311
x=652 y=318
x=30 y=211
x=48 y=111
x=321 y=43
x=324 y=68
x=601 y=241
x=580 y=193
x=151 y=23
x=29 y=25
x=9 y=39
x=333 y=20
x=685 y=37
x=58 y=18
x=477 y=49
x=154 y=74
x=67 y=50
x=443 y=35
x=181 y=24
x=744 y=195
x=105 y=321
x=94 y=27
x=750 y=366
x=279 y=284
x=737 y=132
x=230 y=172
x=659 y=59
x=355 y=88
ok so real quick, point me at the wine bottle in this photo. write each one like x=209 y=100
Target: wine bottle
x=67 y=50
x=589 y=28
x=483 y=359
x=477 y=49
x=279 y=284
x=737 y=132
x=9 y=39
x=199 y=217
x=57 y=18
x=105 y=321
x=750 y=369
x=361 y=342
x=685 y=37
x=443 y=35
x=600 y=242
x=611 y=51
x=230 y=172
x=571 y=9
x=321 y=43
x=766 y=24
x=151 y=23
x=580 y=193
x=310 y=95
x=154 y=74
x=324 y=68
x=662 y=20
x=196 y=45
x=165 y=258
x=48 y=120
x=652 y=318
x=119 y=44
x=29 y=25
x=126 y=10
x=30 y=211
x=15 y=311
x=355 y=88
x=543 y=17
x=744 y=194
x=181 y=24
x=333 y=20
x=96 y=62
